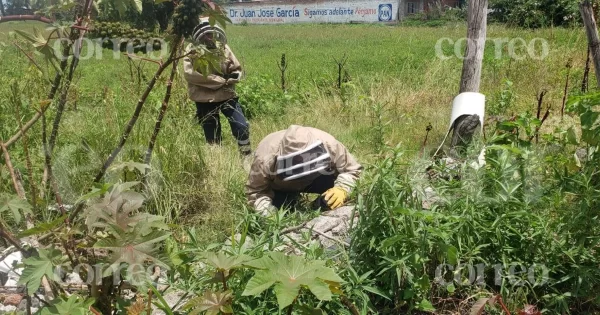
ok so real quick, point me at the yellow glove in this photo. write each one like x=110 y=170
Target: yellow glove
x=335 y=197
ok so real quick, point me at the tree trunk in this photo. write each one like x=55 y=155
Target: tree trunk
x=591 y=29
x=2 y=8
x=476 y=37
x=465 y=126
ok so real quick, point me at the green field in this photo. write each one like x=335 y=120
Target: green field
x=392 y=68
x=398 y=85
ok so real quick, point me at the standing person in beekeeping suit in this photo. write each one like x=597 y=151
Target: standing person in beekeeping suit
x=300 y=160
x=215 y=92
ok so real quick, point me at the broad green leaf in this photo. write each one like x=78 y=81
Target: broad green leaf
x=42 y=45
x=426 y=306
x=288 y=274
x=74 y=305
x=572 y=136
x=408 y=294
x=450 y=288
x=211 y=303
x=321 y=290
x=121 y=8
x=43 y=227
x=15 y=205
x=161 y=1
x=36 y=39
x=37 y=267
x=286 y=293
x=423 y=283
x=259 y=283
x=176 y=257
x=307 y=310
x=590 y=127
x=223 y=262
x=96 y=192
x=133 y=249
x=116 y=213
x=452 y=255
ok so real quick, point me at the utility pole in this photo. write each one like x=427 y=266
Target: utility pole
x=464 y=126
x=591 y=29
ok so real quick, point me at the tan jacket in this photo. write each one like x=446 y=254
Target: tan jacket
x=213 y=87
x=262 y=180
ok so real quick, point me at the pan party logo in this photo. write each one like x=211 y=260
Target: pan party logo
x=385 y=12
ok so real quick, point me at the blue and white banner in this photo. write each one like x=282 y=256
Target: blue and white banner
x=313 y=12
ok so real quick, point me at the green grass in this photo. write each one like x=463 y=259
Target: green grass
x=392 y=68
x=528 y=205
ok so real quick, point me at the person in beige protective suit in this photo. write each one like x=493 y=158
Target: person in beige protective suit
x=300 y=160
x=215 y=92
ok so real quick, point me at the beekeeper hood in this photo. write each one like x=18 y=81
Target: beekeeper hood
x=208 y=35
x=301 y=154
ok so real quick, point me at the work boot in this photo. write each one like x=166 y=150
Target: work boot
x=245 y=150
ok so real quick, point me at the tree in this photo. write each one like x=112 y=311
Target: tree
x=535 y=13
x=18 y=7
x=2 y=12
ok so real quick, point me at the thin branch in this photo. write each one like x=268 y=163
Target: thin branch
x=183 y=56
x=48 y=164
x=331 y=238
x=149 y=307
x=293 y=228
x=129 y=127
x=11 y=170
x=27 y=55
x=61 y=104
x=130 y=124
x=74 y=63
x=427 y=129
x=41 y=300
x=132 y=56
x=161 y=114
x=5 y=234
x=30 y=224
x=80 y=27
x=55 y=84
x=17 y=103
x=13 y=18
x=566 y=92
x=351 y=307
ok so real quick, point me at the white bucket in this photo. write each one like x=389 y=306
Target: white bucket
x=468 y=103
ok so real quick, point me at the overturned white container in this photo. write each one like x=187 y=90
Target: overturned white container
x=468 y=103
x=6 y=266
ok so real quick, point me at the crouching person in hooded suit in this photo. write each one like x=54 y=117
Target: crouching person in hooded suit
x=300 y=160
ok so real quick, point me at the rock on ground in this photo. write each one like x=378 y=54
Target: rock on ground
x=331 y=229
x=172 y=297
x=7 y=309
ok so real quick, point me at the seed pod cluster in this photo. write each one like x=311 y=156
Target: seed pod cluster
x=125 y=35
x=186 y=17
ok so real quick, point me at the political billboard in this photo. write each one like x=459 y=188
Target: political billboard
x=313 y=12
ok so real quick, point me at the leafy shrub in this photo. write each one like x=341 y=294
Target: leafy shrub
x=504 y=101
x=260 y=97
x=529 y=210
x=535 y=13
x=437 y=15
